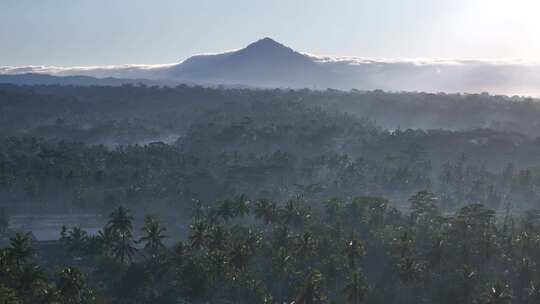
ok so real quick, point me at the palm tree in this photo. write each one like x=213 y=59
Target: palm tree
x=217 y=238
x=252 y=291
x=179 y=256
x=525 y=274
x=120 y=220
x=63 y=233
x=354 y=250
x=121 y=230
x=467 y=276
x=423 y=206
x=525 y=242
x=9 y=296
x=153 y=235
x=7 y=265
x=477 y=216
x=72 y=287
x=499 y=293
x=253 y=240
x=356 y=289
x=404 y=244
x=436 y=254
x=21 y=248
x=217 y=262
x=310 y=292
x=239 y=256
x=225 y=210
x=280 y=236
x=289 y=213
x=123 y=249
x=4 y=221
x=198 y=210
x=332 y=209
x=533 y=292
x=305 y=245
x=265 y=210
x=409 y=270
x=281 y=265
x=241 y=206
x=476 y=222
x=105 y=238
x=76 y=240
x=198 y=236
x=355 y=209
x=31 y=283
x=377 y=208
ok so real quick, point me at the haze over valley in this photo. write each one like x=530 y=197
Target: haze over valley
x=268 y=174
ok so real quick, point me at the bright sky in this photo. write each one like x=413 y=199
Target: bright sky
x=90 y=32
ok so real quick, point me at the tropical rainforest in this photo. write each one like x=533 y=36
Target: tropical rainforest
x=241 y=195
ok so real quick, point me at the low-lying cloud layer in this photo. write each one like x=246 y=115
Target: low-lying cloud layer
x=267 y=63
x=440 y=75
x=120 y=71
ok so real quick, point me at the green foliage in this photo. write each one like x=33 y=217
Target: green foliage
x=8 y=296
x=4 y=221
x=120 y=234
x=245 y=258
x=153 y=235
x=72 y=287
x=335 y=210
x=21 y=248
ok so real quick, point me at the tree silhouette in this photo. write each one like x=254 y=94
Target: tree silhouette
x=356 y=289
x=153 y=235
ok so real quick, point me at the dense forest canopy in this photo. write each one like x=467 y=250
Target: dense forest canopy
x=170 y=110
x=214 y=195
x=98 y=147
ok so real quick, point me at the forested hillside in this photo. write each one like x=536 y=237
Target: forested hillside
x=214 y=195
x=94 y=148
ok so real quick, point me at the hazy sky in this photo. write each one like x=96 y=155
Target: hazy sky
x=90 y=32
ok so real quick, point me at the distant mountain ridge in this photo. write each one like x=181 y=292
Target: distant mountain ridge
x=268 y=63
x=263 y=63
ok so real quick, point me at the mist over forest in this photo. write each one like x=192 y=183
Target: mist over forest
x=94 y=148
x=270 y=152
x=197 y=194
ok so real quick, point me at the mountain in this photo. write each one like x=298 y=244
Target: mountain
x=267 y=63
